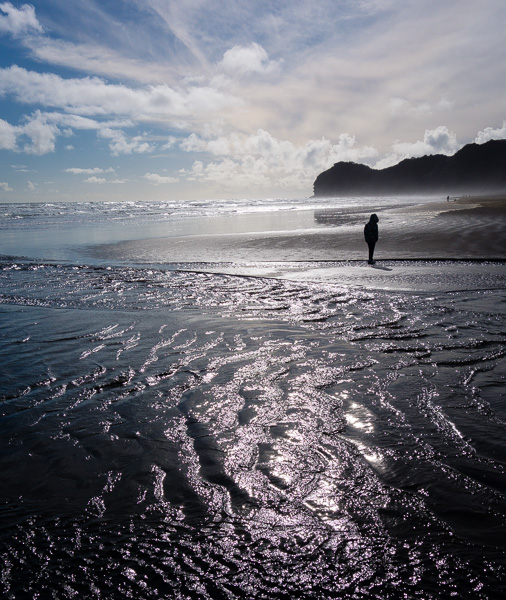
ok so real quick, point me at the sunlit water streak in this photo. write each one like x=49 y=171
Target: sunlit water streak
x=60 y=231
x=193 y=435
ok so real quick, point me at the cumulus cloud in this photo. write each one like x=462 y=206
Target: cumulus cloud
x=18 y=21
x=41 y=133
x=262 y=159
x=159 y=179
x=435 y=141
x=4 y=186
x=281 y=153
x=8 y=136
x=119 y=144
x=489 y=133
x=225 y=172
x=248 y=59
x=42 y=130
x=170 y=143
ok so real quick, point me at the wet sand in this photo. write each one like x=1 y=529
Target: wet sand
x=170 y=434
x=470 y=227
x=421 y=247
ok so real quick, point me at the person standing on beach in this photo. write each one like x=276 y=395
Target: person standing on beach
x=371 y=235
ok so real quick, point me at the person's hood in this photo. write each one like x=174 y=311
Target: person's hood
x=374 y=218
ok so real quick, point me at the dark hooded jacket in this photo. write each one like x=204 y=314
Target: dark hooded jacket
x=371 y=230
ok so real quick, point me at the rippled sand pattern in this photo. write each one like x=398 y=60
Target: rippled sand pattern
x=192 y=435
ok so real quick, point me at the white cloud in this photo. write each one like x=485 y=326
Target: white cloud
x=91 y=96
x=435 y=141
x=94 y=170
x=84 y=123
x=119 y=143
x=219 y=146
x=380 y=69
x=8 y=136
x=248 y=59
x=489 y=133
x=159 y=179
x=263 y=160
x=170 y=143
x=4 y=186
x=102 y=180
x=41 y=133
x=281 y=153
x=31 y=186
x=42 y=129
x=18 y=21
x=94 y=179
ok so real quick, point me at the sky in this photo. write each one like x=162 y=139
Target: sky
x=202 y=99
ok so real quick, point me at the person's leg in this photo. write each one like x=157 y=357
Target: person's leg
x=371 y=251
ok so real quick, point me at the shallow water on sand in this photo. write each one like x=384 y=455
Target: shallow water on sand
x=168 y=232
x=199 y=435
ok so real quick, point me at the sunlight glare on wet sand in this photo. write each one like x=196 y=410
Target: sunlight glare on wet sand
x=180 y=431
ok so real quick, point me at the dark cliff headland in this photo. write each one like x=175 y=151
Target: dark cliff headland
x=475 y=168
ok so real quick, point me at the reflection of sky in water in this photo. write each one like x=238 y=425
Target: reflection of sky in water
x=62 y=241
x=58 y=231
x=269 y=430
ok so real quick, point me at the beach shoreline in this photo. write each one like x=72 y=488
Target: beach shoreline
x=458 y=244
x=470 y=227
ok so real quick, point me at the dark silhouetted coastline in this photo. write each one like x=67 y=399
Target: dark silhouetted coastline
x=476 y=168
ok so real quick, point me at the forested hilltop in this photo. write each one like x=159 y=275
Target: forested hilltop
x=474 y=168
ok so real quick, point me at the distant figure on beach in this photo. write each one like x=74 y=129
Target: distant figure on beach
x=448 y=198
x=371 y=235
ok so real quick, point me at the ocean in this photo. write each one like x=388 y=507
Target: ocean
x=208 y=426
